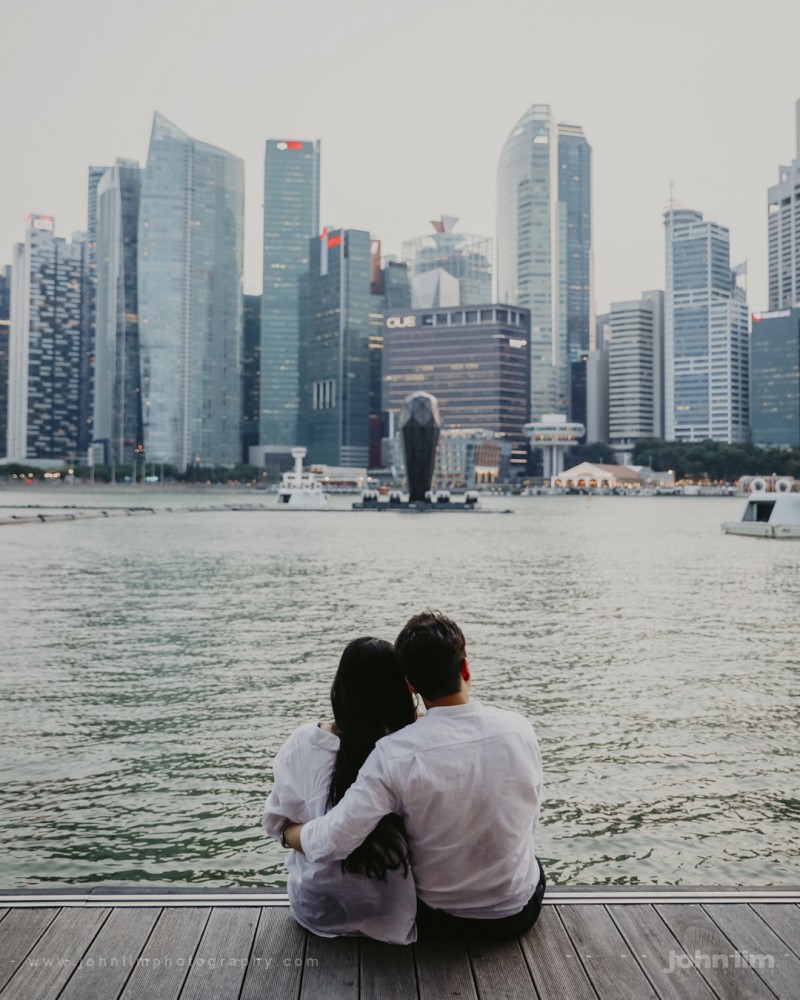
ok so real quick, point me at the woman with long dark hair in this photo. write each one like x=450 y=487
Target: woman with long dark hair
x=372 y=891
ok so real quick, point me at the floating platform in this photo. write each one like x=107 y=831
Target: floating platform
x=590 y=943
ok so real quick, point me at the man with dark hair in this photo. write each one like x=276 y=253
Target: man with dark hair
x=467 y=780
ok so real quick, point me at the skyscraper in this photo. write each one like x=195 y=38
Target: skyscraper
x=117 y=370
x=462 y=256
x=775 y=379
x=89 y=314
x=45 y=344
x=251 y=373
x=544 y=246
x=5 y=327
x=190 y=299
x=575 y=193
x=635 y=370
x=783 y=226
x=291 y=219
x=706 y=349
x=343 y=299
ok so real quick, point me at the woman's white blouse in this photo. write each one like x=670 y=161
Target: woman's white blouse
x=324 y=899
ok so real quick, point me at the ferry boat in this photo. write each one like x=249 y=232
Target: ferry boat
x=768 y=514
x=301 y=490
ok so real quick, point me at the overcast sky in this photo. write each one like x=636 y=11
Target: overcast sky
x=413 y=101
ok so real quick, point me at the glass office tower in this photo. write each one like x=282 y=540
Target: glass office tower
x=575 y=193
x=775 y=379
x=783 y=226
x=544 y=258
x=45 y=344
x=251 y=373
x=343 y=298
x=706 y=348
x=291 y=219
x=117 y=382
x=465 y=257
x=190 y=299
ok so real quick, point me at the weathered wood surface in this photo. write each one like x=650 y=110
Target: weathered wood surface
x=243 y=950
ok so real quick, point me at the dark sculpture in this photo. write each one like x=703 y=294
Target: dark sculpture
x=419 y=425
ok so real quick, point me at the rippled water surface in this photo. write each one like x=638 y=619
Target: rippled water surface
x=151 y=666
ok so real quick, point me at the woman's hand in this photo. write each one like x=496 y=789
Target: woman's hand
x=290 y=836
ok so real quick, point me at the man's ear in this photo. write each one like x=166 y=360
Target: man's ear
x=465 y=674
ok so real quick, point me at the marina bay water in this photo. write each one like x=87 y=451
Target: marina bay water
x=152 y=666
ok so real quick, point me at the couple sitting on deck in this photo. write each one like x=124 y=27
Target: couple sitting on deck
x=403 y=825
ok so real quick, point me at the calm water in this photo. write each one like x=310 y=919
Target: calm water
x=152 y=666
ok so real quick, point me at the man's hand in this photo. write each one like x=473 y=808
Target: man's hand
x=290 y=836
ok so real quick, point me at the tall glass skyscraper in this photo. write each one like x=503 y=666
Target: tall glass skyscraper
x=291 y=219
x=575 y=193
x=190 y=299
x=89 y=317
x=775 y=379
x=784 y=226
x=117 y=380
x=544 y=246
x=45 y=344
x=706 y=347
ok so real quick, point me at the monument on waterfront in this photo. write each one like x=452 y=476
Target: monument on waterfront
x=420 y=424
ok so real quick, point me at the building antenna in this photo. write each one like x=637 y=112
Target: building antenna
x=671 y=195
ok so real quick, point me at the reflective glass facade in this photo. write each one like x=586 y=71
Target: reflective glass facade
x=190 y=299
x=783 y=222
x=5 y=326
x=117 y=395
x=251 y=373
x=544 y=246
x=339 y=316
x=706 y=348
x=464 y=256
x=291 y=219
x=45 y=345
x=575 y=193
x=474 y=361
x=89 y=318
x=775 y=379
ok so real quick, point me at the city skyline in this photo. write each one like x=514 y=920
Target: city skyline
x=685 y=128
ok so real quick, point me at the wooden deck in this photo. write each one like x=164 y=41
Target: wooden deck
x=592 y=943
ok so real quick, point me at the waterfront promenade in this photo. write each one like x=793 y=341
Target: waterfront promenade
x=597 y=943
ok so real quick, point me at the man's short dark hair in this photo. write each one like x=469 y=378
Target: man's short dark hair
x=431 y=649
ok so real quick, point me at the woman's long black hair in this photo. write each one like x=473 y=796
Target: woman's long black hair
x=370 y=699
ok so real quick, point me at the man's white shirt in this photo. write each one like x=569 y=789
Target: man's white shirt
x=467 y=780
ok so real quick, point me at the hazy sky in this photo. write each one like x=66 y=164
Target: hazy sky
x=413 y=101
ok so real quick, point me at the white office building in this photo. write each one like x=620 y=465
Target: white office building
x=784 y=233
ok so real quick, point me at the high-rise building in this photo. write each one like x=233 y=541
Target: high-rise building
x=5 y=328
x=117 y=425
x=784 y=227
x=89 y=317
x=706 y=346
x=474 y=361
x=575 y=193
x=775 y=378
x=45 y=344
x=190 y=299
x=251 y=373
x=635 y=371
x=544 y=256
x=443 y=255
x=597 y=396
x=291 y=219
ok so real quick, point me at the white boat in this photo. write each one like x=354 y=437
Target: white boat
x=768 y=515
x=301 y=490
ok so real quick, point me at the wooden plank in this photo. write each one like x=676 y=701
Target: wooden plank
x=220 y=961
x=553 y=960
x=711 y=952
x=784 y=920
x=276 y=961
x=387 y=971
x=758 y=946
x=55 y=956
x=20 y=931
x=111 y=957
x=166 y=958
x=500 y=970
x=330 y=969
x=609 y=962
x=444 y=970
x=664 y=961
